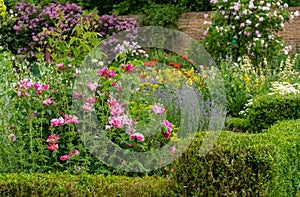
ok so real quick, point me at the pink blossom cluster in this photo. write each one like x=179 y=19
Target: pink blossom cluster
x=119 y=119
x=128 y=67
x=68 y=156
x=67 y=119
x=25 y=84
x=52 y=140
x=158 y=109
x=168 y=127
x=106 y=73
x=89 y=106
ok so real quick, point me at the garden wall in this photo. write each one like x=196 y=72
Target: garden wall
x=191 y=23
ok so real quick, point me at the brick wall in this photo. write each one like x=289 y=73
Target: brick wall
x=191 y=23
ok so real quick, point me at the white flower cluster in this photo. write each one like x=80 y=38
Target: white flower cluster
x=286 y=70
x=247 y=105
x=283 y=88
x=131 y=48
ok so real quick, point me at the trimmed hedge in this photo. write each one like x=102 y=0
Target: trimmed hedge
x=264 y=164
x=240 y=164
x=64 y=184
x=268 y=109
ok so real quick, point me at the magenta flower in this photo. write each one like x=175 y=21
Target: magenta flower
x=40 y=88
x=25 y=83
x=128 y=68
x=92 y=86
x=172 y=149
x=76 y=95
x=12 y=137
x=64 y=157
x=60 y=66
x=53 y=147
x=57 y=122
x=117 y=121
x=47 y=101
x=91 y=99
x=70 y=119
x=88 y=107
x=52 y=139
x=74 y=152
x=137 y=136
x=167 y=124
x=158 y=110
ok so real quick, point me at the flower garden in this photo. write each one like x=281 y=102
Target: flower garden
x=85 y=114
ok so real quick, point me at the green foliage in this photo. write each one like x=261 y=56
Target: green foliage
x=75 y=46
x=64 y=184
x=165 y=15
x=265 y=164
x=238 y=124
x=268 y=109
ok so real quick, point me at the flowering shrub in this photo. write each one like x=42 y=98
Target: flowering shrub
x=247 y=28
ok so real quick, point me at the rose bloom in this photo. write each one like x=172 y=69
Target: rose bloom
x=64 y=157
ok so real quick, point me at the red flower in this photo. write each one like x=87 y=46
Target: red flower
x=171 y=64
x=190 y=61
x=184 y=56
x=165 y=55
x=177 y=65
x=150 y=63
x=154 y=59
x=53 y=147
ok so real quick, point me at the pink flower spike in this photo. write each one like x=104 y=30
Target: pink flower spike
x=64 y=157
x=57 y=122
x=158 y=109
x=53 y=147
x=47 y=101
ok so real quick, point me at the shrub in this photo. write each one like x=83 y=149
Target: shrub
x=238 y=124
x=264 y=164
x=64 y=184
x=268 y=109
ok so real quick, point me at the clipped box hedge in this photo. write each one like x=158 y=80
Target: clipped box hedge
x=241 y=164
x=268 y=109
x=64 y=184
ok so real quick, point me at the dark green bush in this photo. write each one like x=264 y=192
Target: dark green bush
x=238 y=124
x=64 y=184
x=268 y=109
x=264 y=164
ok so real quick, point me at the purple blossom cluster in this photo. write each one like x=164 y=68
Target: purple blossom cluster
x=109 y=25
x=34 y=24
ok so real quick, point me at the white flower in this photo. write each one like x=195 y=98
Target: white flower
x=296 y=13
x=248 y=22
